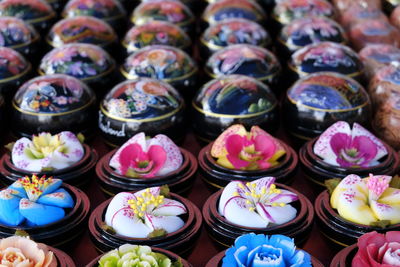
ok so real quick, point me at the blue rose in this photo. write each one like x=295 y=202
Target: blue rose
x=265 y=251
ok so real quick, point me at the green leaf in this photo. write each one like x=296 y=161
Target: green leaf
x=157 y=233
x=108 y=229
x=395 y=182
x=21 y=233
x=381 y=224
x=47 y=169
x=81 y=138
x=331 y=184
x=164 y=191
x=10 y=146
x=253 y=108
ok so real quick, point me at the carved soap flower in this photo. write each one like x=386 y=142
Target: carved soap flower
x=368 y=200
x=147 y=158
x=146 y=213
x=265 y=251
x=34 y=202
x=17 y=251
x=257 y=204
x=238 y=149
x=134 y=255
x=342 y=146
x=47 y=152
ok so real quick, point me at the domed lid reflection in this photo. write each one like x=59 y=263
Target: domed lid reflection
x=155 y=33
x=81 y=29
x=102 y=9
x=141 y=99
x=160 y=62
x=82 y=61
x=52 y=95
x=234 y=96
x=16 y=33
x=12 y=64
x=31 y=11
x=328 y=91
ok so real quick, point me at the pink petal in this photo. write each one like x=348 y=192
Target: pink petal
x=322 y=147
x=127 y=155
x=158 y=156
x=218 y=148
x=139 y=138
x=340 y=141
x=265 y=145
x=285 y=197
x=358 y=130
x=263 y=164
x=393 y=236
x=366 y=148
x=174 y=156
x=234 y=145
x=236 y=162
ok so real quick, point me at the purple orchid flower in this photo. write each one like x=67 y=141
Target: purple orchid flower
x=342 y=146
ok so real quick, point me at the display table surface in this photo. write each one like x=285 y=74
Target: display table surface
x=84 y=251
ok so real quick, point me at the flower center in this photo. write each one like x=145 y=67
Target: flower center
x=264 y=195
x=145 y=203
x=34 y=186
x=46 y=144
x=12 y=256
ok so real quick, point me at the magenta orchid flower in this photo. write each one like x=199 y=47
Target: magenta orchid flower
x=238 y=149
x=147 y=158
x=138 y=215
x=257 y=204
x=342 y=146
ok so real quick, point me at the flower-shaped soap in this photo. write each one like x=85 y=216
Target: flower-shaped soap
x=244 y=59
x=326 y=56
x=165 y=63
x=380 y=249
x=81 y=29
x=47 y=152
x=367 y=200
x=109 y=10
x=228 y=9
x=238 y=149
x=20 y=251
x=37 y=12
x=147 y=158
x=257 y=204
x=155 y=33
x=234 y=31
x=171 y=11
x=144 y=213
x=309 y=30
x=82 y=61
x=286 y=11
x=264 y=250
x=34 y=202
x=341 y=145
x=17 y=34
x=134 y=255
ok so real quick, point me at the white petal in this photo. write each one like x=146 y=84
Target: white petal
x=281 y=215
x=21 y=160
x=390 y=196
x=170 y=207
x=174 y=155
x=354 y=207
x=124 y=223
x=118 y=202
x=139 y=139
x=322 y=146
x=386 y=211
x=168 y=223
x=263 y=182
x=358 y=130
x=236 y=212
x=75 y=150
x=227 y=193
x=349 y=182
x=284 y=196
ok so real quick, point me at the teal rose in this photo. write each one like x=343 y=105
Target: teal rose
x=265 y=251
